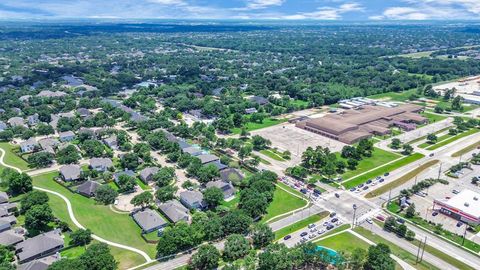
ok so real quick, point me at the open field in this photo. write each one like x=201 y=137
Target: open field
x=268 y=122
x=394 y=96
x=343 y=242
x=100 y=219
x=11 y=158
x=402 y=180
x=432 y=118
x=396 y=250
x=283 y=202
x=382 y=170
x=299 y=225
x=378 y=158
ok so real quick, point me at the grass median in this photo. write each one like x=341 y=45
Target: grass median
x=402 y=180
x=466 y=149
x=382 y=170
x=452 y=139
x=378 y=158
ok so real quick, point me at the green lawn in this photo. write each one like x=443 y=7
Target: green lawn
x=299 y=225
x=98 y=218
x=378 y=158
x=424 y=137
x=396 y=250
x=267 y=122
x=395 y=96
x=141 y=184
x=401 y=180
x=11 y=158
x=454 y=138
x=439 y=140
x=283 y=202
x=432 y=118
x=271 y=155
x=382 y=170
x=343 y=242
x=232 y=204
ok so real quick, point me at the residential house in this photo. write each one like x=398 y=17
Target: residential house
x=29 y=145
x=227 y=188
x=33 y=119
x=174 y=211
x=49 y=144
x=25 y=98
x=88 y=188
x=51 y=94
x=101 y=164
x=111 y=142
x=40 y=264
x=4 y=197
x=192 y=199
x=6 y=222
x=70 y=172
x=259 y=100
x=207 y=158
x=146 y=174
x=193 y=150
x=9 y=207
x=3 y=126
x=231 y=175
x=117 y=175
x=250 y=110
x=149 y=220
x=182 y=144
x=10 y=238
x=16 y=122
x=83 y=112
x=39 y=246
x=220 y=166
x=66 y=136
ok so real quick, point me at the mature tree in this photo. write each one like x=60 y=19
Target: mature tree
x=93 y=148
x=17 y=183
x=40 y=159
x=177 y=238
x=253 y=202
x=260 y=143
x=206 y=258
x=275 y=257
x=213 y=196
x=390 y=224
x=98 y=257
x=130 y=161
x=245 y=151
x=209 y=223
x=143 y=199
x=410 y=212
x=236 y=247
x=410 y=235
x=349 y=152
x=143 y=151
x=378 y=258
x=236 y=221
x=37 y=217
x=357 y=259
x=126 y=183
x=67 y=264
x=396 y=143
x=33 y=198
x=352 y=164
x=166 y=193
x=81 y=237
x=407 y=149
x=207 y=173
x=164 y=176
x=431 y=138
x=402 y=230
x=68 y=155
x=457 y=103
x=105 y=194
x=6 y=256
x=262 y=235
x=44 y=129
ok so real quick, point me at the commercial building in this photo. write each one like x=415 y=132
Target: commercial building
x=465 y=206
x=351 y=126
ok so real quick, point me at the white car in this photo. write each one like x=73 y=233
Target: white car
x=311 y=236
x=320 y=231
x=313 y=230
x=369 y=220
x=339 y=222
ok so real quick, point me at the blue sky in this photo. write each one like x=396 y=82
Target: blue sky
x=243 y=9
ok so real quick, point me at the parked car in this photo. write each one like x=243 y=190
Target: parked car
x=334 y=220
x=333 y=214
x=386 y=174
x=381 y=180
x=303 y=190
x=365 y=187
x=369 y=181
x=360 y=186
x=431 y=155
x=311 y=225
x=330 y=226
x=381 y=218
x=303 y=234
x=459 y=224
x=353 y=189
x=369 y=221
x=287 y=237
x=455 y=191
x=337 y=195
x=317 y=191
x=400 y=220
x=434 y=213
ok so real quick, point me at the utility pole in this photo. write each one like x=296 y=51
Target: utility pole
x=464 y=234
x=389 y=197
x=423 y=250
x=418 y=252
x=439 y=171
x=354 y=212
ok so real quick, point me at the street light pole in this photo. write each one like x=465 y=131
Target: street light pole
x=464 y=234
x=354 y=212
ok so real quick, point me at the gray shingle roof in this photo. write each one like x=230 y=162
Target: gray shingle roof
x=101 y=162
x=192 y=197
x=149 y=220
x=147 y=173
x=206 y=158
x=88 y=188
x=4 y=197
x=8 y=238
x=174 y=211
x=38 y=245
x=70 y=172
x=226 y=187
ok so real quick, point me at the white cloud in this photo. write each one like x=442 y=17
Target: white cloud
x=169 y=2
x=259 y=4
x=326 y=13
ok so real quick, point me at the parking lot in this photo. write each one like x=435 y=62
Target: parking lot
x=288 y=137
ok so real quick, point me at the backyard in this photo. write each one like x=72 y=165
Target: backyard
x=11 y=158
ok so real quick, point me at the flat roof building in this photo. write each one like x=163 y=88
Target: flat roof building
x=465 y=206
x=353 y=125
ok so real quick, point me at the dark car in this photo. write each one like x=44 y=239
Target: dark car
x=303 y=190
x=353 y=189
x=337 y=195
x=459 y=224
x=287 y=237
x=360 y=186
x=334 y=220
x=330 y=226
x=431 y=155
x=434 y=213
x=365 y=187
x=317 y=191
x=386 y=174
x=369 y=181
x=381 y=180
x=400 y=220
x=333 y=214
x=303 y=234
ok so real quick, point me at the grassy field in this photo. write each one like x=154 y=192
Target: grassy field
x=283 y=202
x=271 y=155
x=98 y=218
x=382 y=170
x=299 y=225
x=11 y=158
x=396 y=250
x=466 y=149
x=343 y=242
x=395 y=96
x=454 y=138
x=378 y=158
x=401 y=180
x=432 y=118
x=267 y=122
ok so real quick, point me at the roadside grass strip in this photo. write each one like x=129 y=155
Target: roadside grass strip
x=424 y=137
x=299 y=225
x=452 y=139
x=466 y=149
x=382 y=170
x=271 y=155
x=396 y=250
x=378 y=158
x=402 y=180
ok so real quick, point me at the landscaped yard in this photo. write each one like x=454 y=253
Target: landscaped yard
x=299 y=225
x=11 y=158
x=378 y=158
x=343 y=242
x=267 y=122
x=382 y=170
x=100 y=219
x=283 y=202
